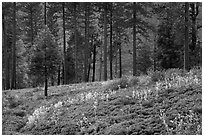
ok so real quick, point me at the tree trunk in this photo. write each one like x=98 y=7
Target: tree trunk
x=186 y=48
x=86 y=41
x=193 y=18
x=64 y=44
x=46 y=84
x=31 y=24
x=5 y=44
x=105 y=42
x=58 y=75
x=94 y=62
x=194 y=14
x=116 y=63
x=75 y=41
x=111 y=46
x=62 y=78
x=154 y=53
x=89 y=69
x=101 y=63
x=134 y=40
x=13 y=81
x=120 y=60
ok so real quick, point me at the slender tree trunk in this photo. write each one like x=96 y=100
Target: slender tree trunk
x=105 y=42
x=64 y=44
x=5 y=44
x=46 y=83
x=154 y=53
x=62 y=78
x=89 y=69
x=101 y=63
x=116 y=63
x=111 y=46
x=186 y=48
x=194 y=14
x=120 y=60
x=31 y=24
x=193 y=18
x=36 y=28
x=75 y=41
x=86 y=41
x=58 y=75
x=94 y=62
x=13 y=81
x=134 y=40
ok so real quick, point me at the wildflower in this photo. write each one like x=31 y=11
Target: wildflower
x=59 y=104
x=133 y=93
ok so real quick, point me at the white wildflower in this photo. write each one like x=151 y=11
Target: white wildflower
x=57 y=105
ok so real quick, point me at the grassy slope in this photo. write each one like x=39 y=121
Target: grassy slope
x=103 y=111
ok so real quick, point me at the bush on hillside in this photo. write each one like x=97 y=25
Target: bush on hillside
x=156 y=75
x=132 y=81
x=170 y=74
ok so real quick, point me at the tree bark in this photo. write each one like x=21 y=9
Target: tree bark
x=94 y=62
x=186 y=48
x=31 y=24
x=111 y=46
x=86 y=41
x=4 y=40
x=58 y=75
x=105 y=42
x=13 y=81
x=101 y=63
x=116 y=63
x=75 y=41
x=193 y=18
x=46 y=84
x=134 y=40
x=194 y=14
x=154 y=53
x=120 y=59
x=64 y=44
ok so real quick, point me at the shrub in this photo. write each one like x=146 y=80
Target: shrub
x=144 y=80
x=123 y=82
x=170 y=74
x=156 y=75
x=13 y=102
x=132 y=81
x=117 y=84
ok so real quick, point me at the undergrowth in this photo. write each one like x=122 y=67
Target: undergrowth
x=162 y=102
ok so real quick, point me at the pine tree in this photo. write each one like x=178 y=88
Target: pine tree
x=45 y=57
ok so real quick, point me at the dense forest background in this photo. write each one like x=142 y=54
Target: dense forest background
x=47 y=44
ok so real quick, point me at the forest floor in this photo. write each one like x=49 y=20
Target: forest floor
x=131 y=105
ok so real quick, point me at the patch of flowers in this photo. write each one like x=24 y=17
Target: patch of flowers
x=182 y=123
x=173 y=79
x=83 y=123
x=40 y=114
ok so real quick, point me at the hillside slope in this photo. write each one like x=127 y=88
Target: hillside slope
x=131 y=105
